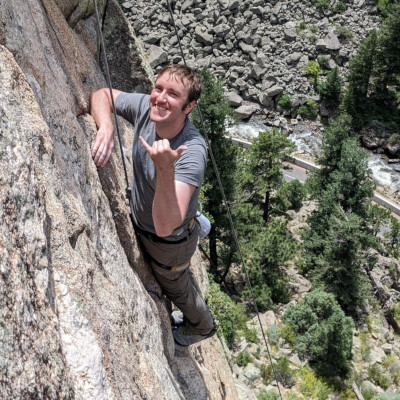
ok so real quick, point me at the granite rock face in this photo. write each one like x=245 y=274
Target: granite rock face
x=81 y=316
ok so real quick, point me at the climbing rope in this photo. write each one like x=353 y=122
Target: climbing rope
x=228 y=209
x=108 y=78
x=128 y=188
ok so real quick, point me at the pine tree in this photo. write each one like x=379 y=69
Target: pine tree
x=323 y=333
x=267 y=252
x=330 y=91
x=215 y=112
x=388 y=51
x=263 y=168
x=361 y=69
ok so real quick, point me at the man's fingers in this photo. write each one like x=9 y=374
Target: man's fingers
x=101 y=155
x=145 y=144
x=180 y=150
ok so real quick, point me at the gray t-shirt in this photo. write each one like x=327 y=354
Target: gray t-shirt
x=189 y=167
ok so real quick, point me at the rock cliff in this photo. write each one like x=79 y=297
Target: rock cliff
x=81 y=316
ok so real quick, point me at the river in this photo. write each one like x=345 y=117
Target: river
x=383 y=174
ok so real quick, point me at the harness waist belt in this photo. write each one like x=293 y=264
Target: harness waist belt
x=158 y=239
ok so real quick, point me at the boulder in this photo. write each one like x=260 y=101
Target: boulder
x=203 y=36
x=157 y=56
x=245 y=111
x=234 y=99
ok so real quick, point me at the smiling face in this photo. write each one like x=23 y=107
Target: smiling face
x=169 y=103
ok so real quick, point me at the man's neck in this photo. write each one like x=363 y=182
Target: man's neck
x=169 y=131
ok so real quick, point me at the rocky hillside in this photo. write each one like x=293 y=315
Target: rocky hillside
x=259 y=47
x=81 y=316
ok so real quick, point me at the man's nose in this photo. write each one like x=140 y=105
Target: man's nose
x=161 y=96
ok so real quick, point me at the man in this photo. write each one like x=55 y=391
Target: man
x=169 y=160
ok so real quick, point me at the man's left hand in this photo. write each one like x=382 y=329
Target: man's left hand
x=161 y=153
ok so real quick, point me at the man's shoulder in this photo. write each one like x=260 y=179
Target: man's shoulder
x=139 y=100
x=191 y=134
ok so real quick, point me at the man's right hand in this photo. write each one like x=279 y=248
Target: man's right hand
x=101 y=109
x=103 y=146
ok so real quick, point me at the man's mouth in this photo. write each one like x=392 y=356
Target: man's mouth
x=160 y=108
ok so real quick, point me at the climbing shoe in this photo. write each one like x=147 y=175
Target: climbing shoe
x=186 y=335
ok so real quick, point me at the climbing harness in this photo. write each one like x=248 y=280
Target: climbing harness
x=129 y=189
x=228 y=210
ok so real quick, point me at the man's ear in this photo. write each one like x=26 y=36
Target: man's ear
x=189 y=107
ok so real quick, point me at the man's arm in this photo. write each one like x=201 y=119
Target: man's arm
x=101 y=109
x=171 y=198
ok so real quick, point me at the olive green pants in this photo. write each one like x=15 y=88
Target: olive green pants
x=179 y=284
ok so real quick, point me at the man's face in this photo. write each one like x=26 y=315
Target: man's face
x=168 y=100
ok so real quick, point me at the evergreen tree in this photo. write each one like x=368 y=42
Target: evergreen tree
x=388 y=51
x=267 y=252
x=361 y=69
x=330 y=91
x=333 y=138
x=339 y=229
x=350 y=184
x=215 y=111
x=323 y=333
x=263 y=168
x=339 y=267
x=385 y=98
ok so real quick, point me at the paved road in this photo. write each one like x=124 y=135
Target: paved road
x=300 y=172
x=301 y=167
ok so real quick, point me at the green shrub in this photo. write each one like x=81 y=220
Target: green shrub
x=312 y=386
x=268 y=395
x=378 y=376
x=343 y=32
x=266 y=373
x=340 y=8
x=285 y=103
x=243 y=358
x=323 y=4
x=251 y=335
x=313 y=29
x=283 y=373
x=312 y=38
x=273 y=333
x=323 y=61
x=348 y=394
x=302 y=26
x=365 y=347
x=391 y=363
x=231 y=316
x=387 y=396
x=308 y=110
x=368 y=394
x=323 y=333
x=394 y=139
x=288 y=335
x=312 y=70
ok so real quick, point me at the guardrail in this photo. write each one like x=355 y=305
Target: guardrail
x=377 y=198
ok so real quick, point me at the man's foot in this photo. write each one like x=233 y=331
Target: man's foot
x=186 y=335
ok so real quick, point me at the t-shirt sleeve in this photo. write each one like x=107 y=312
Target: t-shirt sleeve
x=130 y=105
x=192 y=163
